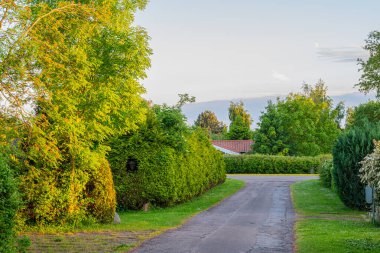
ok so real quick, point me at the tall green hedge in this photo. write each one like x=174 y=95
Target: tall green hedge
x=9 y=204
x=351 y=148
x=271 y=164
x=174 y=162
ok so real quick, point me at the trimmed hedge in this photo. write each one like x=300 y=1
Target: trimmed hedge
x=270 y=164
x=174 y=163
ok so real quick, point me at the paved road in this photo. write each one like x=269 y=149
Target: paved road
x=257 y=219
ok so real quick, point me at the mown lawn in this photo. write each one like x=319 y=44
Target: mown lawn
x=135 y=227
x=325 y=225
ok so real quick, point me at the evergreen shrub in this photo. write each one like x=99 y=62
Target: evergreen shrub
x=271 y=164
x=9 y=204
x=351 y=148
x=172 y=162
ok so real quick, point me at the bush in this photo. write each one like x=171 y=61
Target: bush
x=101 y=191
x=325 y=174
x=9 y=204
x=351 y=148
x=65 y=196
x=163 y=165
x=270 y=164
x=370 y=170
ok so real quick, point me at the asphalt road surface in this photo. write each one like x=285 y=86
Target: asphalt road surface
x=259 y=218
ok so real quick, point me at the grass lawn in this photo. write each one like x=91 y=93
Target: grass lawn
x=325 y=225
x=135 y=227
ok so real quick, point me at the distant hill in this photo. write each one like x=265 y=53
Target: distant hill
x=257 y=105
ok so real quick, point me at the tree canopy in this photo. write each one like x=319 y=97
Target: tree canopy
x=362 y=114
x=240 y=126
x=209 y=121
x=370 y=78
x=78 y=66
x=302 y=124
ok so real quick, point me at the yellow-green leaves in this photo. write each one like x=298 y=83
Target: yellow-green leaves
x=72 y=72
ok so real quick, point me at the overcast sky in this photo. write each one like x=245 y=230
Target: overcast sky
x=219 y=49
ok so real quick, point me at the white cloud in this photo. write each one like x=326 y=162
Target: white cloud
x=279 y=76
x=342 y=54
x=316 y=44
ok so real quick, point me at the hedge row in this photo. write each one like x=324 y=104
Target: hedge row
x=270 y=164
x=172 y=165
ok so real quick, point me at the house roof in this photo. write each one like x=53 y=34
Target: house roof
x=238 y=146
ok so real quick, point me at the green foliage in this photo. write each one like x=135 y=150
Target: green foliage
x=174 y=162
x=364 y=113
x=271 y=136
x=270 y=164
x=239 y=130
x=101 y=192
x=370 y=170
x=325 y=174
x=9 y=204
x=79 y=65
x=304 y=124
x=210 y=122
x=370 y=79
x=240 y=126
x=351 y=148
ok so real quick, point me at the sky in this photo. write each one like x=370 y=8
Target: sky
x=219 y=49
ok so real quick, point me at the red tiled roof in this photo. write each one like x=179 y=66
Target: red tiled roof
x=239 y=146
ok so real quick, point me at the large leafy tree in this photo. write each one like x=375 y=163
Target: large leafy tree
x=360 y=115
x=271 y=137
x=78 y=64
x=302 y=124
x=240 y=126
x=209 y=121
x=370 y=79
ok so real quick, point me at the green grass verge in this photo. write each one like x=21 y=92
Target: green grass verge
x=135 y=227
x=157 y=218
x=164 y=218
x=326 y=225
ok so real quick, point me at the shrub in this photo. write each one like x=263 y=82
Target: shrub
x=370 y=170
x=67 y=196
x=101 y=191
x=173 y=164
x=270 y=164
x=352 y=146
x=325 y=174
x=9 y=204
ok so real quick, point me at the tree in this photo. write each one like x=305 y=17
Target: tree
x=301 y=124
x=271 y=137
x=184 y=99
x=79 y=65
x=370 y=78
x=239 y=130
x=209 y=121
x=364 y=113
x=240 y=126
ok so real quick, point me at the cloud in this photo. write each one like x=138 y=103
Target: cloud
x=279 y=76
x=342 y=54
